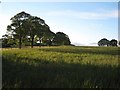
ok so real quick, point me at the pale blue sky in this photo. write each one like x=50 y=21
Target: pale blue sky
x=85 y=23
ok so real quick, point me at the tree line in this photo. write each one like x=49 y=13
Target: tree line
x=106 y=42
x=29 y=30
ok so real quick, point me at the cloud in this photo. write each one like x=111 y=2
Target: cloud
x=85 y=15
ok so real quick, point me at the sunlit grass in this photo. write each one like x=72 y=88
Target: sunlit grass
x=63 y=66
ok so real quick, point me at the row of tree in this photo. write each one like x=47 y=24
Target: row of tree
x=106 y=42
x=26 y=29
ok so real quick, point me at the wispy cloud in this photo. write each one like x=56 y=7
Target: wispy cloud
x=85 y=15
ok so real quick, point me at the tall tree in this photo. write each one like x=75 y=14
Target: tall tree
x=47 y=35
x=17 y=26
x=36 y=27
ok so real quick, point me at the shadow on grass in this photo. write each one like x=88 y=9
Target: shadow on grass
x=58 y=75
x=86 y=50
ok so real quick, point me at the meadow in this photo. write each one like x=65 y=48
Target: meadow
x=61 y=67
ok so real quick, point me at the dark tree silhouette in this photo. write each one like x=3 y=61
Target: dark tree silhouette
x=113 y=42
x=61 y=39
x=104 y=42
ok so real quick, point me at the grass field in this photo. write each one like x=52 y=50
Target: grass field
x=61 y=67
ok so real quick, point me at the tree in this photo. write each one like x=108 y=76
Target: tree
x=47 y=35
x=4 y=41
x=61 y=39
x=37 y=26
x=31 y=24
x=27 y=30
x=8 y=41
x=113 y=42
x=104 y=42
x=17 y=26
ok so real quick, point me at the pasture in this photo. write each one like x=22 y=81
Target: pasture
x=61 y=67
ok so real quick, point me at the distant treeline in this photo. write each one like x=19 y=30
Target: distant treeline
x=106 y=42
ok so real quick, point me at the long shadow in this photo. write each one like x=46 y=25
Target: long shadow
x=58 y=75
x=98 y=50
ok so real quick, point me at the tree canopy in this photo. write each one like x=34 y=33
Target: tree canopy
x=61 y=39
x=113 y=42
x=105 y=42
x=26 y=29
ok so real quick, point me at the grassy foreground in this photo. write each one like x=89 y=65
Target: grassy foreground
x=61 y=67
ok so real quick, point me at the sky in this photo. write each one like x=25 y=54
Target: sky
x=84 y=22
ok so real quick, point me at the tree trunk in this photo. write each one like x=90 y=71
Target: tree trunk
x=32 y=41
x=20 y=41
x=40 y=42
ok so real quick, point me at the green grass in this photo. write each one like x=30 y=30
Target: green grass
x=61 y=67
